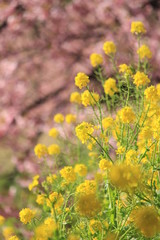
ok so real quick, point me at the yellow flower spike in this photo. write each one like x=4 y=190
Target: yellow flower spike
x=68 y=174
x=126 y=115
x=75 y=97
x=144 y=52
x=126 y=177
x=81 y=169
x=40 y=199
x=34 y=183
x=95 y=226
x=141 y=79
x=40 y=150
x=55 y=199
x=54 y=149
x=125 y=69
x=70 y=118
x=96 y=59
x=110 y=87
x=147 y=220
x=51 y=178
x=81 y=80
x=137 y=28
x=109 y=48
x=107 y=122
x=104 y=164
x=26 y=215
x=59 y=118
x=83 y=131
x=53 y=133
x=151 y=94
x=89 y=99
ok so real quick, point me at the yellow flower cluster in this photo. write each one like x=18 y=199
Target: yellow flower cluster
x=124 y=68
x=55 y=200
x=141 y=79
x=144 y=52
x=54 y=149
x=127 y=115
x=83 y=131
x=53 y=133
x=105 y=164
x=96 y=59
x=75 y=97
x=81 y=80
x=34 y=183
x=151 y=94
x=137 y=28
x=26 y=215
x=40 y=150
x=147 y=220
x=107 y=122
x=59 y=118
x=109 y=48
x=110 y=87
x=87 y=203
x=68 y=174
x=89 y=99
x=95 y=226
x=125 y=177
x=81 y=169
x=70 y=118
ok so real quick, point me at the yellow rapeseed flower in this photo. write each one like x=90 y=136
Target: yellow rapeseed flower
x=105 y=164
x=53 y=133
x=81 y=169
x=125 y=177
x=107 y=122
x=70 y=118
x=141 y=79
x=34 y=183
x=127 y=115
x=40 y=150
x=59 y=118
x=137 y=28
x=40 y=199
x=81 y=80
x=109 y=48
x=147 y=220
x=55 y=199
x=144 y=52
x=110 y=86
x=68 y=174
x=96 y=59
x=89 y=99
x=75 y=97
x=54 y=149
x=95 y=226
x=151 y=94
x=26 y=215
x=83 y=131
x=124 y=68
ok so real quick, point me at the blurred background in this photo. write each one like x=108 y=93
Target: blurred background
x=43 y=44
